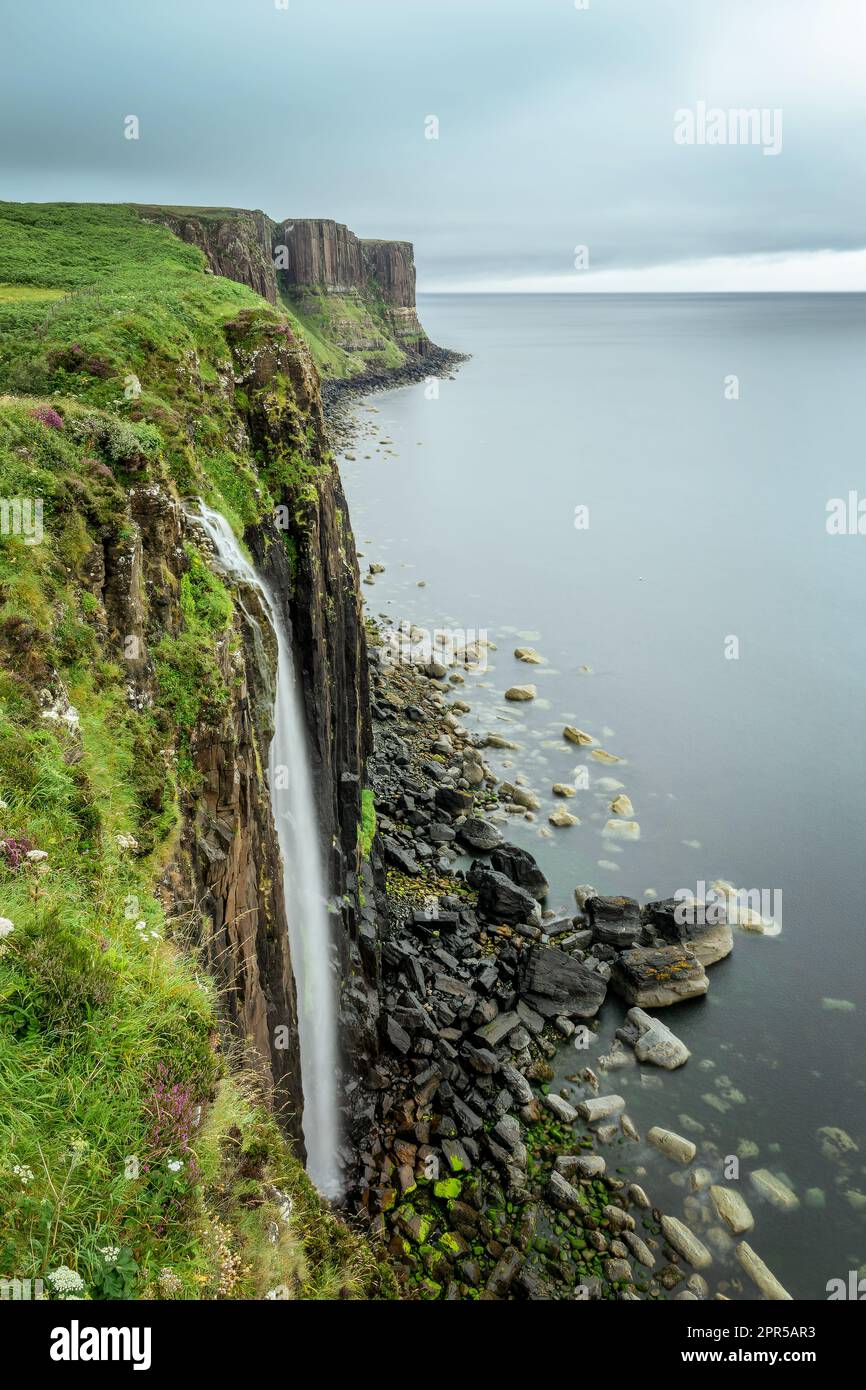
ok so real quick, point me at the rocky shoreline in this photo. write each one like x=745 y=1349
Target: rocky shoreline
x=338 y=393
x=483 y=1181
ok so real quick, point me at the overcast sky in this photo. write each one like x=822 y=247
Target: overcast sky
x=556 y=128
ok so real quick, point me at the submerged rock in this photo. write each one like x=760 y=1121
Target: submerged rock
x=834 y=1142
x=600 y=1108
x=776 y=1191
x=530 y=656
x=672 y=1145
x=622 y=830
x=681 y=1239
x=732 y=1209
x=601 y=755
x=562 y=818
x=761 y=1275
x=621 y=806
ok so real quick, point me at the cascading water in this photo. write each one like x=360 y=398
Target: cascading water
x=297 y=829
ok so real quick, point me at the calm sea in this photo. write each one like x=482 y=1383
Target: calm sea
x=594 y=484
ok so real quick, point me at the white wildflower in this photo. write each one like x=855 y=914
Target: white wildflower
x=37 y=855
x=175 y=1164
x=110 y=1253
x=23 y=1172
x=6 y=926
x=65 y=1281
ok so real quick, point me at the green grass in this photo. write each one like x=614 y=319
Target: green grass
x=347 y=335
x=126 y=1120
x=367 y=826
x=136 y=327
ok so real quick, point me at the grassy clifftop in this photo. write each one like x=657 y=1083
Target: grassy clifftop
x=139 y=1155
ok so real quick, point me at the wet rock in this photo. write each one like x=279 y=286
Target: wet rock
x=520 y=866
x=560 y=1108
x=614 y=921
x=732 y=1209
x=654 y=977
x=616 y=1271
x=505 y=1272
x=494 y=740
x=639 y=1249
x=521 y=692
x=655 y=1042
x=774 y=1189
x=529 y=655
x=708 y=937
x=478 y=834
x=554 y=983
x=561 y=1194
x=520 y=796
x=501 y=900
x=600 y=1108
x=761 y=1275
x=580 y=1166
x=402 y=859
x=834 y=1143
x=481 y=1059
x=672 y=1145
x=621 y=806
x=562 y=818
x=397 y=1036
x=454 y=801
x=577 y=736
x=681 y=1239
x=492 y=1034
x=517 y=1084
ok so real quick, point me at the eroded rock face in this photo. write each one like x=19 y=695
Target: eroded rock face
x=236 y=242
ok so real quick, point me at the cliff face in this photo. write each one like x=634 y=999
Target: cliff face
x=356 y=297
x=224 y=881
x=238 y=245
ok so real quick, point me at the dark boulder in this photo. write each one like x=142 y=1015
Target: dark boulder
x=478 y=834
x=614 y=921
x=402 y=859
x=519 y=865
x=454 y=801
x=555 y=984
x=501 y=900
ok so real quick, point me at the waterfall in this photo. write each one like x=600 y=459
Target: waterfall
x=294 y=812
